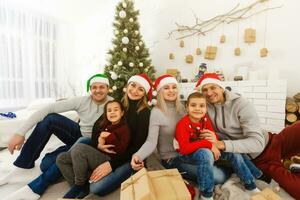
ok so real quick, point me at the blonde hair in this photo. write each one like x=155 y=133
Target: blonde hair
x=161 y=103
x=142 y=104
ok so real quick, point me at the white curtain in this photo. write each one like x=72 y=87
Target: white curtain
x=29 y=64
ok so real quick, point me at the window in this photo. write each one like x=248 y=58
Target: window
x=28 y=51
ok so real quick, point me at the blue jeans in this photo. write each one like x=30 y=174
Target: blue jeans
x=206 y=172
x=112 y=181
x=65 y=129
x=244 y=168
x=191 y=166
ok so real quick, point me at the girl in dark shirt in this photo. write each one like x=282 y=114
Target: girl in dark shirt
x=77 y=164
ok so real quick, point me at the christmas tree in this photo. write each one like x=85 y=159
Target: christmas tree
x=129 y=55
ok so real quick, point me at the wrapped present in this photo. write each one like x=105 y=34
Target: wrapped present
x=210 y=52
x=155 y=185
x=250 y=35
x=266 y=194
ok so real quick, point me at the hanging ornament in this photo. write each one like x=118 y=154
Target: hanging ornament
x=113 y=75
x=237 y=51
x=110 y=90
x=108 y=56
x=125 y=40
x=189 y=59
x=115 y=66
x=125 y=31
x=114 y=87
x=250 y=35
x=124 y=49
x=116 y=32
x=171 y=56
x=136 y=32
x=122 y=14
x=198 y=51
x=140 y=43
x=124 y=89
x=120 y=63
x=141 y=64
x=263 y=52
x=181 y=43
x=124 y=5
x=130 y=19
x=131 y=64
x=222 y=39
x=146 y=70
x=137 y=48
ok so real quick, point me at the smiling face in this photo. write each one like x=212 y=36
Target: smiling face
x=114 y=113
x=99 y=91
x=196 y=108
x=169 y=92
x=213 y=93
x=135 y=91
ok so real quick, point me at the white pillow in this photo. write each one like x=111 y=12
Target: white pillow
x=40 y=103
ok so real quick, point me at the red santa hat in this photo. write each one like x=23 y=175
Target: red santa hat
x=145 y=82
x=164 y=80
x=209 y=78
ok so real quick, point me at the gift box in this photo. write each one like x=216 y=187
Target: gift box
x=155 y=185
x=266 y=194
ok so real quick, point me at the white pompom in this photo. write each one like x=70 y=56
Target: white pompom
x=114 y=87
x=140 y=43
x=122 y=14
x=124 y=49
x=131 y=20
x=125 y=31
x=153 y=101
x=120 y=63
x=131 y=64
x=113 y=75
x=137 y=48
x=154 y=93
x=141 y=64
x=125 y=40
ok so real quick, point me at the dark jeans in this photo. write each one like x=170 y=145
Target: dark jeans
x=66 y=130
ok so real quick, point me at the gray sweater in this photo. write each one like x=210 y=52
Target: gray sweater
x=238 y=125
x=161 y=133
x=88 y=112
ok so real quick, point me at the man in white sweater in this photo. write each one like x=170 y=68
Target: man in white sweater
x=48 y=122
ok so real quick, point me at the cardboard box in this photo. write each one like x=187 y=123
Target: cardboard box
x=266 y=194
x=155 y=185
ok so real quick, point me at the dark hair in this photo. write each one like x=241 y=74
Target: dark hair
x=195 y=95
x=104 y=122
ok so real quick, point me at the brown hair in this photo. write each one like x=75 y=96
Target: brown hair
x=104 y=122
x=195 y=95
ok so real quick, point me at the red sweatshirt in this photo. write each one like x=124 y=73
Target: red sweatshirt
x=187 y=134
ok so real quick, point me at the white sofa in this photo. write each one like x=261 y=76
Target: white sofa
x=9 y=126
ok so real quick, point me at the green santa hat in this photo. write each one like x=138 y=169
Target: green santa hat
x=97 y=78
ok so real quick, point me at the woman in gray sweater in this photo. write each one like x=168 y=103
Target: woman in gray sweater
x=163 y=119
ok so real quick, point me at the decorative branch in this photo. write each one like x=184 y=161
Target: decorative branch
x=202 y=27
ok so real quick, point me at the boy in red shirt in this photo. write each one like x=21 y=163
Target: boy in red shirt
x=197 y=149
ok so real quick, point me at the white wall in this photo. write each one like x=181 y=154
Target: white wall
x=93 y=19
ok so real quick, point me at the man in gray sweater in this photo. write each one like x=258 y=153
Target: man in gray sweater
x=237 y=123
x=48 y=122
